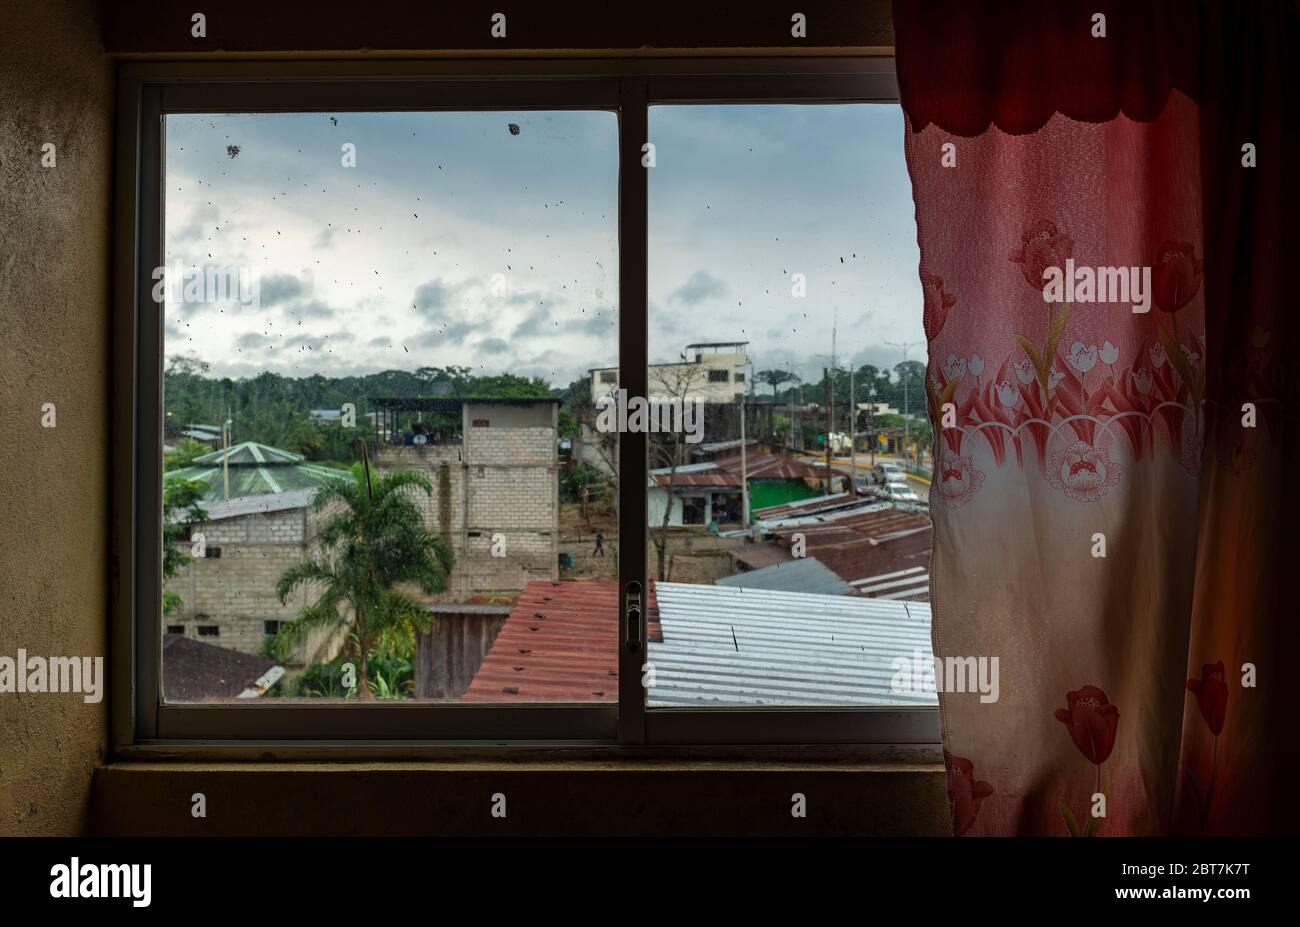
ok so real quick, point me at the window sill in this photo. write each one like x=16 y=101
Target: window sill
x=617 y=794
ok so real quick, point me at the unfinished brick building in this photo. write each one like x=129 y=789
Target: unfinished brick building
x=228 y=594
x=494 y=466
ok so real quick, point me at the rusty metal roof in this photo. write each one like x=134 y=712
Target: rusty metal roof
x=880 y=550
x=757 y=555
x=560 y=644
x=772 y=467
x=717 y=480
x=818 y=505
x=695 y=475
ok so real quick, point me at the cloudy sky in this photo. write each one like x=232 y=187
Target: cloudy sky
x=456 y=241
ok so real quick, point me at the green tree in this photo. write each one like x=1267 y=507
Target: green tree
x=184 y=453
x=508 y=386
x=376 y=541
x=181 y=511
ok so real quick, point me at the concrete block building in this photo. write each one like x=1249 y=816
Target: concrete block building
x=494 y=467
x=228 y=594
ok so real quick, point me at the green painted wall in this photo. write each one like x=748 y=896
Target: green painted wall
x=763 y=493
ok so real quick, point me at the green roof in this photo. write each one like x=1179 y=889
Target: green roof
x=255 y=468
x=250 y=453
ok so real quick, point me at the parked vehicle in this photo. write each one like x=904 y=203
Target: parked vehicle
x=885 y=473
x=898 y=492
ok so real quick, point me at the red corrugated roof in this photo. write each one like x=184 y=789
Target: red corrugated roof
x=560 y=644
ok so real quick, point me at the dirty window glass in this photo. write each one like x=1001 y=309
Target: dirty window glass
x=782 y=299
x=379 y=480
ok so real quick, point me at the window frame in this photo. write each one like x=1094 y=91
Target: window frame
x=628 y=87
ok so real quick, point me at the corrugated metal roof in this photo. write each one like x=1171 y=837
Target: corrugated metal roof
x=759 y=555
x=695 y=475
x=708 y=645
x=255 y=469
x=199 y=434
x=260 y=503
x=908 y=583
x=806 y=574
x=560 y=644
x=715 y=446
x=726 y=646
x=250 y=453
x=807 y=507
x=772 y=467
x=881 y=550
x=715 y=480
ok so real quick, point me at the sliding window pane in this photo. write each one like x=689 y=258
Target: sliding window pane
x=381 y=475
x=789 y=534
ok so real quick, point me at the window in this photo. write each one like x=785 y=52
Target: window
x=441 y=272
x=781 y=224
x=419 y=276
x=175 y=629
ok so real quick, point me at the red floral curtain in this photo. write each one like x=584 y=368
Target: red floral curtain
x=1099 y=228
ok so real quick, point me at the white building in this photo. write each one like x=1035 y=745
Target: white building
x=698 y=493
x=709 y=371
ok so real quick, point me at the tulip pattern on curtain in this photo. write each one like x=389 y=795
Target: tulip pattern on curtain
x=1061 y=216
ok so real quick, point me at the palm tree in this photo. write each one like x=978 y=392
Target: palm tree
x=775 y=378
x=376 y=540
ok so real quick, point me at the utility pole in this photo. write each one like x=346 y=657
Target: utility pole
x=871 y=427
x=225 y=459
x=793 y=424
x=907 y=434
x=835 y=326
x=744 y=465
x=826 y=391
x=853 y=428
x=798 y=423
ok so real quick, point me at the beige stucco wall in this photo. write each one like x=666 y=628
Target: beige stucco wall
x=55 y=86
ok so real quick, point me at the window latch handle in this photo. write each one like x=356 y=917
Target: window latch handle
x=633 y=615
